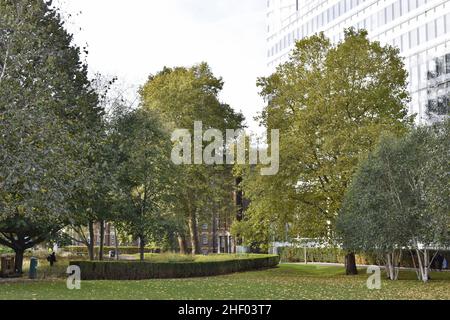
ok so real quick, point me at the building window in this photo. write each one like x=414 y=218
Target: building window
x=389 y=13
x=431 y=29
x=413 y=35
x=440 y=26
x=404 y=6
x=397 y=9
x=205 y=226
x=439 y=106
x=422 y=34
x=205 y=240
x=421 y=2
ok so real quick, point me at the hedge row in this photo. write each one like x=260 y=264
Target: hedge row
x=134 y=270
x=328 y=255
x=123 y=250
x=337 y=255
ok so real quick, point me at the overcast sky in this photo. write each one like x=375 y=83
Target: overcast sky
x=135 y=38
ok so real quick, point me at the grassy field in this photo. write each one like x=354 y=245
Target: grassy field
x=169 y=257
x=288 y=282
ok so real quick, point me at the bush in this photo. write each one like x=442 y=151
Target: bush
x=130 y=270
x=337 y=255
x=328 y=255
x=168 y=257
x=83 y=250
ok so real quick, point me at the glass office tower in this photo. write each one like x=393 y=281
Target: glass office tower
x=419 y=28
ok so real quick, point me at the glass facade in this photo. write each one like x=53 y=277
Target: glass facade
x=419 y=28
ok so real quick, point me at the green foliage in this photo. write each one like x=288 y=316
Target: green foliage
x=144 y=175
x=148 y=270
x=47 y=110
x=83 y=250
x=4 y=250
x=331 y=103
x=337 y=255
x=181 y=96
x=399 y=196
x=184 y=95
x=325 y=255
x=176 y=257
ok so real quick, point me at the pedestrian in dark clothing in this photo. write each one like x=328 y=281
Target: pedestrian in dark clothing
x=52 y=259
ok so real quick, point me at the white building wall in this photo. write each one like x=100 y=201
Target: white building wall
x=419 y=28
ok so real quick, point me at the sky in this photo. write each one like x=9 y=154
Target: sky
x=135 y=38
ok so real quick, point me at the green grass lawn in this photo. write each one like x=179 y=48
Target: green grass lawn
x=171 y=257
x=288 y=282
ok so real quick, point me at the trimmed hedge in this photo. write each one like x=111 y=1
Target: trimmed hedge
x=122 y=250
x=134 y=270
x=327 y=255
x=337 y=255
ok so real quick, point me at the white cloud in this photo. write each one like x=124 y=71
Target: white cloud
x=135 y=38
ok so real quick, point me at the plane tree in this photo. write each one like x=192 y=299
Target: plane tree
x=331 y=103
x=181 y=96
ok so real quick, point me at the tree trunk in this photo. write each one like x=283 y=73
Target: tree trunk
x=19 y=245
x=116 y=242
x=214 y=233
x=390 y=267
x=423 y=265
x=182 y=243
x=18 y=264
x=350 y=264
x=91 y=241
x=388 y=270
x=393 y=259
x=194 y=233
x=226 y=248
x=102 y=240
x=141 y=248
x=426 y=269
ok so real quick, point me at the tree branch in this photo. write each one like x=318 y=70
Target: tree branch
x=6 y=243
x=2 y=75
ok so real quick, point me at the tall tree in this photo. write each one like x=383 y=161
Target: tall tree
x=144 y=175
x=46 y=111
x=330 y=103
x=92 y=204
x=182 y=96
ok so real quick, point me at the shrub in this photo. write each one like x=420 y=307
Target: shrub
x=337 y=255
x=169 y=257
x=133 y=270
x=83 y=250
